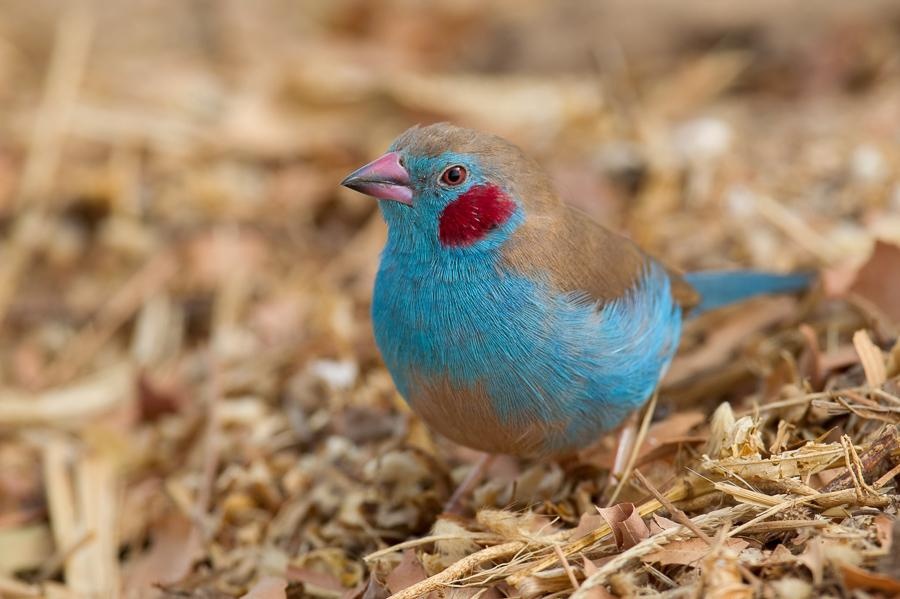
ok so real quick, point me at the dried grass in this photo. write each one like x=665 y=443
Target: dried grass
x=191 y=401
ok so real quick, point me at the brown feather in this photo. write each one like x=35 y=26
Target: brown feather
x=577 y=254
x=467 y=416
x=556 y=242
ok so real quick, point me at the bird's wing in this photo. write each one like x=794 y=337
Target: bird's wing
x=579 y=255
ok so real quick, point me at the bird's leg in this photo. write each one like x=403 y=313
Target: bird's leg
x=627 y=436
x=473 y=477
x=630 y=440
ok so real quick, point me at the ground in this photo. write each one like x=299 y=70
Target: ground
x=191 y=401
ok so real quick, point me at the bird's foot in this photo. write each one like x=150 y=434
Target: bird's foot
x=473 y=477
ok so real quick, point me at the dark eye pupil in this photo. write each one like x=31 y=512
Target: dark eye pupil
x=454 y=175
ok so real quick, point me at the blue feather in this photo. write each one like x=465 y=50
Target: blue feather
x=559 y=360
x=720 y=288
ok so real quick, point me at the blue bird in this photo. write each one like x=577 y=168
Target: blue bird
x=510 y=322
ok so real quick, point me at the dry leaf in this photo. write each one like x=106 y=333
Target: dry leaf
x=588 y=566
x=588 y=523
x=314 y=578
x=780 y=555
x=267 y=415
x=269 y=587
x=884 y=531
x=595 y=592
x=688 y=551
x=661 y=523
x=878 y=281
x=857 y=578
x=887 y=532
x=893 y=364
x=626 y=523
x=871 y=357
x=722 y=577
x=175 y=548
x=407 y=573
x=837 y=280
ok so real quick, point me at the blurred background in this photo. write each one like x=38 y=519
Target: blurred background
x=189 y=389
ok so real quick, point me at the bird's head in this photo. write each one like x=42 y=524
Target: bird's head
x=453 y=190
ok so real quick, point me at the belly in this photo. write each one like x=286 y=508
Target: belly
x=507 y=365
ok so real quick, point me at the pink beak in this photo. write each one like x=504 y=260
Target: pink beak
x=384 y=178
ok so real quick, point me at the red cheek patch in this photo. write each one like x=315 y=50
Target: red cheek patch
x=473 y=215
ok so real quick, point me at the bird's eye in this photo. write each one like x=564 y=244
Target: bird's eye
x=455 y=175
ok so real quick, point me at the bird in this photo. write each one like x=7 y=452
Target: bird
x=511 y=322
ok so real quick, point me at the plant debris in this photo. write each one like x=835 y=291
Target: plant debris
x=191 y=400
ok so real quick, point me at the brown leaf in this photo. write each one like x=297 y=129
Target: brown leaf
x=599 y=591
x=887 y=530
x=857 y=578
x=884 y=531
x=175 y=547
x=688 y=551
x=813 y=557
x=878 y=281
x=314 y=577
x=407 y=573
x=626 y=523
x=659 y=524
x=837 y=280
x=871 y=357
x=893 y=363
x=368 y=589
x=780 y=555
x=721 y=574
x=588 y=566
x=270 y=587
x=588 y=523
x=157 y=398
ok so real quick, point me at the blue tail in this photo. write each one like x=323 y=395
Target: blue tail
x=719 y=288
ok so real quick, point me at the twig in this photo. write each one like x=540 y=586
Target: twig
x=794 y=401
x=477 y=537
x=97 y=488
x=458 y=570
x=636 y=448
x=72 y=405
x=618 y=563
x=566 y=566
x=824 y=499
x=56 y=561
x=887 y=477
x=676 y=493
x=878 y=451
x=780 y=525
x=676 y=513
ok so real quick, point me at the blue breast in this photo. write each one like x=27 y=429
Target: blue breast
x=558 y=360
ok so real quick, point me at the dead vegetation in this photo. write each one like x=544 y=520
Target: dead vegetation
x=191 y=402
